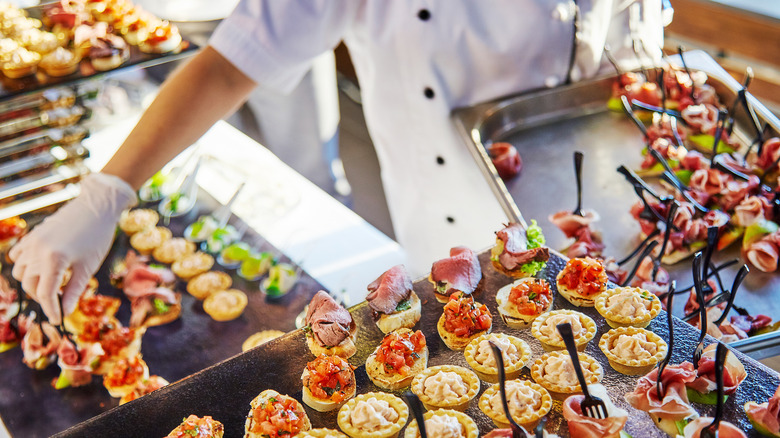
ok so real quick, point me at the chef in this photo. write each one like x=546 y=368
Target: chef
x=415 y=60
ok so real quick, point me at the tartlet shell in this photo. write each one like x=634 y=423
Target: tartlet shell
x=615 y=321
x=200 y=291
x=133 y=221
x=550 y=344
x=632 y=367
x=460 y=403
x=490 y=374
x=376 y=371
x=573 y=296
x=528 y=421
x=320 y=433
x=148 y=240
x=389 y=431
x=205 y=262
x=455 y=342
x=164 y=255
x=470 y=426
x=559 y=391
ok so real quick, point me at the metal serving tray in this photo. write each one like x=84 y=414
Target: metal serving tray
x=173 y=351
x=225 y=390
x=548 y=126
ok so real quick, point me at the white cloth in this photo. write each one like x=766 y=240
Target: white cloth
x=465 y=52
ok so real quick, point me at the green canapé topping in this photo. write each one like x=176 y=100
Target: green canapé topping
x=160 y=306
x=535 y=240
x=403 y=305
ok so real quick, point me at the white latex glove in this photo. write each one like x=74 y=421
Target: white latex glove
x=77 y=237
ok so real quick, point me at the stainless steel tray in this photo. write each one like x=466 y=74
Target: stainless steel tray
x=225 y=390
x=548 y=126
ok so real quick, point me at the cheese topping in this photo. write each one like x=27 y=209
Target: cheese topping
x=627 y=303
x=559 y=370
x=443 y=426
x=372 y=414
x=443 y=386
x=549 y=328
x=634 y=346
x=485 y=356
x=522 y=399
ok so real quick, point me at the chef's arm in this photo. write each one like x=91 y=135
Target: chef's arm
x=194 y=97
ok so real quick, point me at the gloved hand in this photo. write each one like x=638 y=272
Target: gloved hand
x=77 y=237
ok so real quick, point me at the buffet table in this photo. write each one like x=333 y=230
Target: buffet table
x=278 y=205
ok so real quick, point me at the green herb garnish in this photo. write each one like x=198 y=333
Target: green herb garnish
x=161 y=306
x=403 y=305
x=535 y=240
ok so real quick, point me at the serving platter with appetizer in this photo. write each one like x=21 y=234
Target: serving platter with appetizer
x=548 y=126
x=141 y=324
x=450 y=382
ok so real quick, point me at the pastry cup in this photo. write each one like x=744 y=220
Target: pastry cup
x=528 y=420
x=389 y=431
x=639 y=319
x=149 y=239
x=453 y=341
x=632 y=367
x=225 y=305
x=133 y=221
x=260 y=338
x=573 y=296
x=327 y=405
x=192 y=265
x=207 y=283
x=321 y=433
x=490 y=374
x=257 y=404
x=470 y=429
x=393 y=381
x=460 y=403
x=552 y=343
x=173 y=249
x=559 y=391
x=508 y=311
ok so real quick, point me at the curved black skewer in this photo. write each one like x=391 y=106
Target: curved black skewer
x=743 y=272
x=653 y=108
x=722 y=114
x=670 y=345
x=417 y=411
x=712 y=240
x=612 y=60
x=714 y=270
x=720 y=165
x=639 y=248
x=665 y=164
x=642 y=256
x=517 y=430
x=675 y=132
x=630 y=113
x=745 y=84
x=688 y=71
x=697 y=352
x=667 y=233
x=673 y=181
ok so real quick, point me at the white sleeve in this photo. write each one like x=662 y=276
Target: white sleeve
x=275 y=41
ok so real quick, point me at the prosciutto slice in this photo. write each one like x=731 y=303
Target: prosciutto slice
x=701 y=118
x=769 y=153
x=586 y=427
x=725 y=429
x=387 y=291
x=516 y=252
x=506 y=159
x=694 y=160
x=763 y=254
x=12 y=331
x=709 y=181
x=767 y=414
x=9 y=304
x=751 y=210
x=330 y=323
x=674 y=405
x=570 y=223
x=460 y=272
x=587 y=244
x=733 y=373
x=142 y=280
x=38 y=352
x=77 y=364
x=750 y=324
x=141 y=307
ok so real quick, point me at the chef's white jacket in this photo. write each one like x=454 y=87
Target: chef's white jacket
x=418 y=59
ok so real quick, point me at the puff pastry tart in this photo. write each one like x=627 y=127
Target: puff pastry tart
x=274 y=415
x=208 y=283
x=480 y=358
x=373 y=415
x=545 y=329
x=133 y=221
x=555 y=372
x=192 y=265
x=445 y=423
x=463 y=320
x=196 y=427
x=321 y=433
x=521 y=302
x=400 y=356
x=173 y=249
x=446 y=386
x=582 y=280
x=628 y=307
x=147 y=240
x=632 y=351
x=528 y=403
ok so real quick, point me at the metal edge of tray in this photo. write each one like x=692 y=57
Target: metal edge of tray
x=473 y=122
x=40 y=202
x=44 y=159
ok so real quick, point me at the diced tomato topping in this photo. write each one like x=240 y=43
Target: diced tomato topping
x=531 y=297
x=278 y=416
x=11 y=227
x=125 y=372
x=464 y=317
x=399 y=350
x=95 y=305
x=329 y=378
x=585 y=275
x=193 y=426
